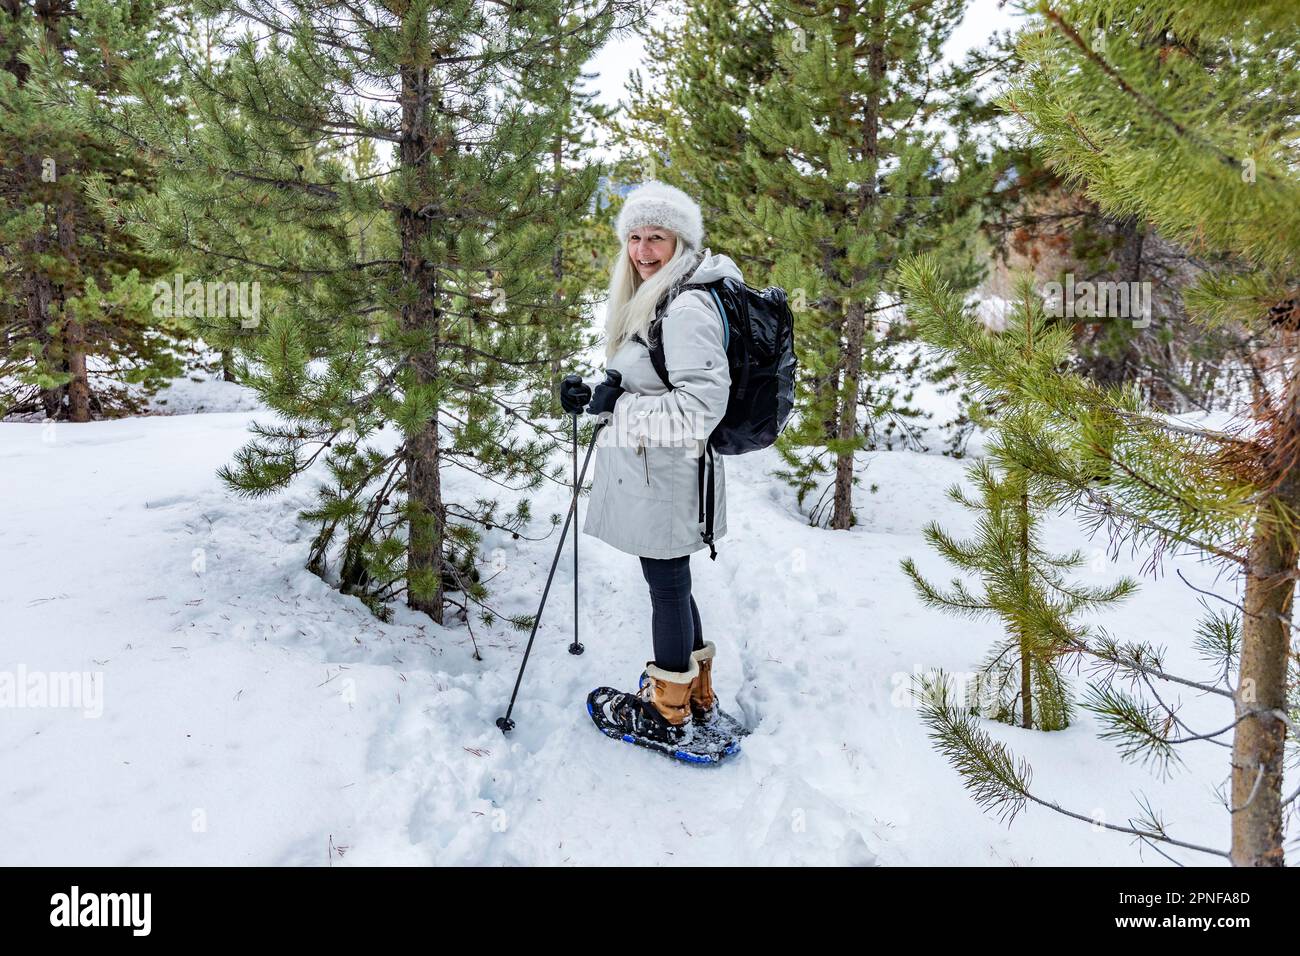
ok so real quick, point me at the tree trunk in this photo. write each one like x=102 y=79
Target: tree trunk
x=1026 y=681
x=74 y=334
x=423 y=479
x=38 y=289
x=826 y=387
x=855 y=315
x=74 y=337
x=40 y=298
x=855 y=324
x=41 y=294
x=557 y=257
x=227 y=366
x=1022 y=521
x=1259 y=742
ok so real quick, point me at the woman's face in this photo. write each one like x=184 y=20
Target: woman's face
x=649 y=249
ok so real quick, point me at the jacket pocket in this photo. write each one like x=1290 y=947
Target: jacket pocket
x=641 y=471
x=636 y=511
x=656 y=475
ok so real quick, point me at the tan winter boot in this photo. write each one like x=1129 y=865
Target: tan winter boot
x=669 y=692
x=704 y=702
x=709 y=716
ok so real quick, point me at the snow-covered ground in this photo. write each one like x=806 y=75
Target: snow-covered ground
x=240 y=711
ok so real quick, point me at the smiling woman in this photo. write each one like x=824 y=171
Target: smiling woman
x=648 y=249
x=647 y=496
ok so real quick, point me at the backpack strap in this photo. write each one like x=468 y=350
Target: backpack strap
x=706 y=503
x=726 y=326
x=657 y=357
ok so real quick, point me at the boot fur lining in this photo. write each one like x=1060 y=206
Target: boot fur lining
x=674 y=677
x=705 y=653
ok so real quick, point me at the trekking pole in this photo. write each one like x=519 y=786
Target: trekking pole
x=576 y=647
x=612 y=377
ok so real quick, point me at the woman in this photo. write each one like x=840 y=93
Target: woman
x=645 y=496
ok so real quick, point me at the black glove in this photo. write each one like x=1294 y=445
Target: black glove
x=574 y=394
x=603 y=398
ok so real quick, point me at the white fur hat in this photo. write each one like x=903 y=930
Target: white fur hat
x=658 y=204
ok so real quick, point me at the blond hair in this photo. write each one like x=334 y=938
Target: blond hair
x=630 y=307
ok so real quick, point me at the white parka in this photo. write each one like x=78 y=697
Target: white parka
x=645 y=488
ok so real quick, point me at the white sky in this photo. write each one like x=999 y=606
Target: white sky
x=618 y=58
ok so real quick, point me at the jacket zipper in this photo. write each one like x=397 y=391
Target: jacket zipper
x=640 y=450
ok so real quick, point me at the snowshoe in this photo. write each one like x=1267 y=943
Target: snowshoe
x=658 y=717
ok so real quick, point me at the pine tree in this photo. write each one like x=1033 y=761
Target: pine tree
x=1034 y=221
x=1183 y=115
x=806 y=128
x=78 y=337
x=573 y=271
x=1023 y=585
x=1150 y=484
x=419 y=294
x=227 y=330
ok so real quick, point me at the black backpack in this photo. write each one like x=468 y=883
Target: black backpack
x=759 y=337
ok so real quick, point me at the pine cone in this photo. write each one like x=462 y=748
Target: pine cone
x=1285 y=315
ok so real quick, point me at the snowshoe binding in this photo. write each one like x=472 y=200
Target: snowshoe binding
x=658 y=717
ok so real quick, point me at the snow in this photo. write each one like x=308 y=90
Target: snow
x=253 y=715
x=201 y=392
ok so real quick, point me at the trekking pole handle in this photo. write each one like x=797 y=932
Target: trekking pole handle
x=613 y=379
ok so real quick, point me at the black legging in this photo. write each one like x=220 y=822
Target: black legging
x=674 y=618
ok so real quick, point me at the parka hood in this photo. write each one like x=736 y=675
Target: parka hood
x=715 y=266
